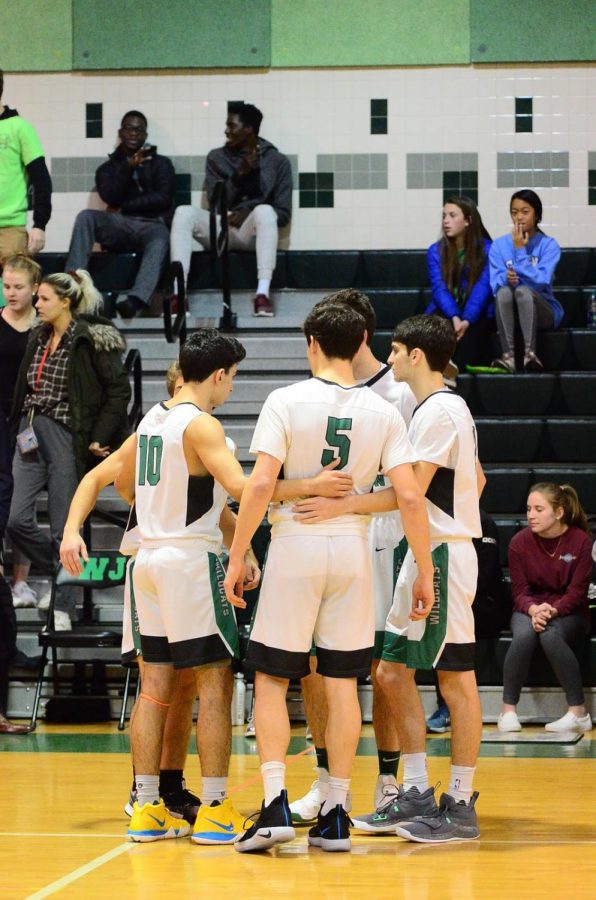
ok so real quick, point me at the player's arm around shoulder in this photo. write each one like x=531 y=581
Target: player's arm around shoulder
x=207 y=439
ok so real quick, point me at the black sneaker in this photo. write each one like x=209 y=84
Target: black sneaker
x=332 y=831
x=455 y=821
x=183 y=805
x=398 y=806
x=127 y=309
x=274 y=826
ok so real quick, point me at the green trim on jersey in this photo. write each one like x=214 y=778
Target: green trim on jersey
x=134 y=615
x=424 y=653
x=399 y=554
x=223 y=609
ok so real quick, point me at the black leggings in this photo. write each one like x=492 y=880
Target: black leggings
x=557 y=640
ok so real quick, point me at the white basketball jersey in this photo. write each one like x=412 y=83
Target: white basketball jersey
x=442 y=431
x=400 y=395
x=309 y=424
x=172 y=505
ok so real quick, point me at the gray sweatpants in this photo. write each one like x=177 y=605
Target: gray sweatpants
x=558 y=639
x=534 y=312
x=117 y=232
x=258 y=232
x=52 y=465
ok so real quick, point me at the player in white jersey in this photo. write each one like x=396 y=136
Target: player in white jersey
x=318 y=582
x=444 y=436
x=385 y=536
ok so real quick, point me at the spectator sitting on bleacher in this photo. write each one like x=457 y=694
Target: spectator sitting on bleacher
x=550 y=563
x=522 y=269
x=138 y=185
x=22 y=165
x=459 y=279
x=70 y=406
x=258 y=195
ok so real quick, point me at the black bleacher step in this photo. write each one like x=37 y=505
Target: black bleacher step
x=583 y=479
x=577 y=266
x=110 y=271
x=509 y=440
x=573 y=301
x=393 y=268
x=578 y=391
x=322 y=269
x=515 y=395
x=506 y=489
x=572 y=440
x=392 y=307
x=583 y=343
x=507 y=528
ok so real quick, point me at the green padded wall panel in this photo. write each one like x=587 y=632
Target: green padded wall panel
x=35 y=36
x=532 y=31
x=311 y=33
x=153 y=34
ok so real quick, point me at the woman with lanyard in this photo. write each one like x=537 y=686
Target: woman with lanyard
x=459 y=280
x=69 y=408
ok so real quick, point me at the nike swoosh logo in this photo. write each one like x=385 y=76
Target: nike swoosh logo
x=266 y=834
x=160 y=822
x=229 y=827
x=390 y=758
x=380 y=549
x=325 y=830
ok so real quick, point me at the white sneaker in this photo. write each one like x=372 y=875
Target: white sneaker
x=62 y=621
x=508 y=721
x=22 y=595
x=571 y=722
x=250 y=728
x=380 y=795
x=44 y=600
x=308 y=807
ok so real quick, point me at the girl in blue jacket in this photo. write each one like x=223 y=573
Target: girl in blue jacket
x=459 y=278
x=522 y=268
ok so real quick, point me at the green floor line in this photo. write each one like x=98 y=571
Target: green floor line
x=440 y=747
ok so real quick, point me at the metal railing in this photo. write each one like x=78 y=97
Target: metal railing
x=134 y=366
x=174 y=287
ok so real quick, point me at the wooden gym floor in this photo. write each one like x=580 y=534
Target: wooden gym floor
x=63 y=828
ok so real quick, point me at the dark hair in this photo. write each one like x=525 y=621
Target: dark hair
x=133 y=112
x=532 y=198
x=434 y=335
x=206 y=351
x=338 y=329
x=248 y=114
x=564 y=496
x=474 y=261
x=358 y=302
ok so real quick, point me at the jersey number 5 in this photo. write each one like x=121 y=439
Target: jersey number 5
x=150 y=450
x=335 y=439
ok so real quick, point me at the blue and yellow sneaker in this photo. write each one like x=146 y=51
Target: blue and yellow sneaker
x=152 y=822
x=219 y=823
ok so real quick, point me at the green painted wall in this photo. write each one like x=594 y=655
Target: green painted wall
x=139 y=34
x=308 y=33
x=532 y=31
x=35 y=36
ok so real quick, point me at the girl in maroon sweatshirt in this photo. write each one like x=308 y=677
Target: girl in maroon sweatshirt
x=550 y=563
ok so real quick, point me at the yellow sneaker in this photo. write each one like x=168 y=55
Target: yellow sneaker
x=219 y=823
x=153 y=822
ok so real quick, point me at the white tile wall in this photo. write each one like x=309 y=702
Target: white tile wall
x=446 y=109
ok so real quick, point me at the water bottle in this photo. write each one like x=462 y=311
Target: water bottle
x=238 y=699
x=592 y=310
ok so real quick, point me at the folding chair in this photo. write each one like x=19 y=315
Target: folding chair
x=105 y=569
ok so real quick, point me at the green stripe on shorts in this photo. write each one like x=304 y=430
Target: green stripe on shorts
x=224 y=612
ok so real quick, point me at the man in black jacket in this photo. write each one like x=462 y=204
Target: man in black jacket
x=257 y=182
x=22 y=166
x=137 y=184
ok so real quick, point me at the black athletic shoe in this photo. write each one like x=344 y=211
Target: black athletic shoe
x=183 y=805
x=128 y=308
x=274 y=826
x=332 y=831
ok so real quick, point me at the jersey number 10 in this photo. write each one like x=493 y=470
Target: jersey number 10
x=150 y=451
x=335 y=439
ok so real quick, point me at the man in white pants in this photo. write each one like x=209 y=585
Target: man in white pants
x=258 y=193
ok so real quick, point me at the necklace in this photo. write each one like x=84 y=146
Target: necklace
x=542 y=547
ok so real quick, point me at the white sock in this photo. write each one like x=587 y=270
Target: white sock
x=415 y=774
x=213 y=790
x=460 y=783
x=263 y=286
x=323 y=779
x=147 y=789
x=274 y=780
x=337 y=793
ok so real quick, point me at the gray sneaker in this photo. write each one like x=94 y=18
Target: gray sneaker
x=455 y=821
x=397 y=806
